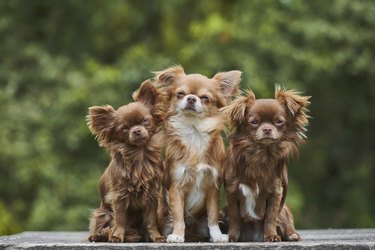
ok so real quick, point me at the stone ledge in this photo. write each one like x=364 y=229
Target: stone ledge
x=311 y=239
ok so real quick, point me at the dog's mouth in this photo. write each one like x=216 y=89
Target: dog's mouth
x=191 y=109
x=268 y=140
x=140 y=140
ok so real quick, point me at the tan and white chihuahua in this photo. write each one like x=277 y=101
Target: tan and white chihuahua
x=195 y=151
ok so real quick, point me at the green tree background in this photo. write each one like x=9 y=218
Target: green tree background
x=57 y=58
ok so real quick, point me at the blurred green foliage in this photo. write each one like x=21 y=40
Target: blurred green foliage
x=57 y=58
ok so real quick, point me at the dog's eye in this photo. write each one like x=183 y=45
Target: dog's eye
x=180 y=94
x=146 y=121
x=254 y=122
x=279 y=122
x=205 y=98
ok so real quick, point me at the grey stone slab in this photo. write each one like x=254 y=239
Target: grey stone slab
x=311 y=239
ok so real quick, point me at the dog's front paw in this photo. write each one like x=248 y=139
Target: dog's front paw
x=117 y=235
x=233 y=235
x=293 y=237
x=97 y=238
x=115 y=239
x=233 y=238
x=160 y=239
x=272 y=238
x=220 y=238
x=174 y=238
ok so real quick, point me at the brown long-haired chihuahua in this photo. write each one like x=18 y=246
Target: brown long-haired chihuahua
x=130 y=186
x=195 y=150
x=265 y=133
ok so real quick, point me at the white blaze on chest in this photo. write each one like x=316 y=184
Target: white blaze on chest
x=250 y=199
x=194 y=132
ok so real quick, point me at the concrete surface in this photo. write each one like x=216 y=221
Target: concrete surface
x=311 y=239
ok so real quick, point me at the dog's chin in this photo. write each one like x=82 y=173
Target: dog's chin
x=139 y=141
x=267 y=140
x=191 y=111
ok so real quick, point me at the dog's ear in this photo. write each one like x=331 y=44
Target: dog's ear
x=291 y=100
x=100 y=121
x=296 y=106
x=146 y=94
x=168 y=76
x=229 y=82
x=236 y=111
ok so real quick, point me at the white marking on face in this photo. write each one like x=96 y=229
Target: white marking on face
x=183 y=104
x=271 y=134
x=250 y=196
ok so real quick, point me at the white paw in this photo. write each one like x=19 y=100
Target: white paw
x=294 y=237
x=174 y=238
x=222 y=238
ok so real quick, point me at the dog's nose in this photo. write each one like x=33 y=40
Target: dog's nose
x=267 y=131
x=137 y=132
x=191 y=99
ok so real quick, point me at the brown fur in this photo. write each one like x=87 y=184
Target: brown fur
x=130 y=186
x=265 y=133
x=194 y=150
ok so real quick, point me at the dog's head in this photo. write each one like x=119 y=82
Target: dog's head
x=132 y=124
x=270 y=120
x=195 y=94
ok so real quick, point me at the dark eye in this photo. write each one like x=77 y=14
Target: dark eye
x=279 y=122
x=146 y=121
x=180 y=94
x=205 y=98
x=254 y=122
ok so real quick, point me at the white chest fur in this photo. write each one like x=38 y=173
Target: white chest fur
x=194 y=132
x=250 y=199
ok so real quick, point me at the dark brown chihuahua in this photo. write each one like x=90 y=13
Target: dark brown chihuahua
x=265 y=133
x=130 y=186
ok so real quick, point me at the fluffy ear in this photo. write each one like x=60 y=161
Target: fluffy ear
x=229 y=82
x=236 y=111
x=146 y=94
x=169 y=75
x=100 y=120
x=296 y=104
x=292 y=100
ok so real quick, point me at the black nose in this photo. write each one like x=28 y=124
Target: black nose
x=191 y=100
x=267 y=131
x=137 y=132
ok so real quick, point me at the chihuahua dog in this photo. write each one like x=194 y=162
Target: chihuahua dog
x=265 y=133
x=195 y=151
x=130 y=186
